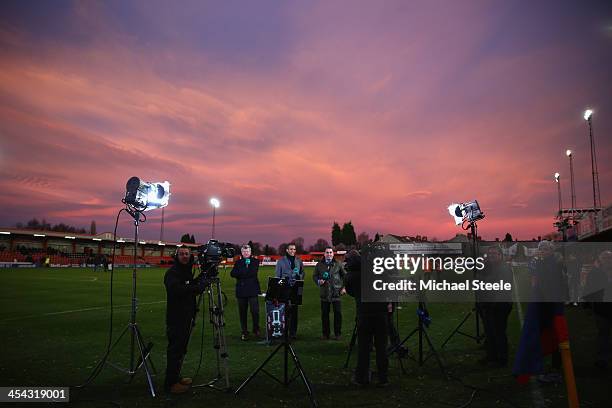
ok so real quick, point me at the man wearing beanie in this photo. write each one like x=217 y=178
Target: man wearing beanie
x=181 y=292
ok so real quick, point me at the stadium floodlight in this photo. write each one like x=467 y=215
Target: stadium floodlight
x=215 y=204
x=469 y=211
x=145 y=196
x=587 y=114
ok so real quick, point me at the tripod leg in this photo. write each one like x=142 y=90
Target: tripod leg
x=144 y=357
x=139 y=363
x=458 y=328
x=298 y=365
x=433 y=351
x=353 y=341
x=113 y=347
x=250 y=377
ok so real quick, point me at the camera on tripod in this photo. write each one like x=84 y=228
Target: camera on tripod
x=211 y=254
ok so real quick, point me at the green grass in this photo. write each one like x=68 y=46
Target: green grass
x=54 y=329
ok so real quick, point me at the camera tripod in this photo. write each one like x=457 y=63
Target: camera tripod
x=352 y=343
x=475 y=310
x=392 y=331
x=136 y=339
x=422 y=324
x=288 y=350
x=217 y=322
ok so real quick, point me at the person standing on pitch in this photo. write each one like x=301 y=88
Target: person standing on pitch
x=371 y=324
x=291 y=267
x=247 y=289
x=495 y=307
x=181 y=292
x=329 y=275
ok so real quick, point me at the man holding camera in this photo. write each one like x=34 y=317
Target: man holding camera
x=329 y=275
x=181 y=292
x=291 y=267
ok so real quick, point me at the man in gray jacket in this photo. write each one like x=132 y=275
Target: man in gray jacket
x=291 y=267
x=329 y=277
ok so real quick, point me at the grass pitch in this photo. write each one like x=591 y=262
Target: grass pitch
x=54 y=325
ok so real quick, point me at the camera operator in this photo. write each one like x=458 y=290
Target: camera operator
x=328 y=276
x=247 y=288
x=495 y=307
x=371 y=323
x=181 y=292
x=291 y=267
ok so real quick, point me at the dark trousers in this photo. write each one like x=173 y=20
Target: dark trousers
x=371 y=327
x=604 y=327
x=394 y=336
x=293 y=324
x=495 y=320
x=325 y=308
x=243 y=304
x=178 y=337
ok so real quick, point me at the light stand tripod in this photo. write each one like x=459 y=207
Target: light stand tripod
x=136 y=339
x=288 y=350
x=422 y=324
x=475 y=310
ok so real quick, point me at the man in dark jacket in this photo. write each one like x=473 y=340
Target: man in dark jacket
x=598 y=289
x=495 y=308
x=329 y=275
x=247 y=289
x=181 y=292
x=291 y=267
x=371 y=323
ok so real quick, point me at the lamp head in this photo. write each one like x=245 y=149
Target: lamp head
x=145 y=196
x=557 y=177
x=215 y=202
x=587 y=114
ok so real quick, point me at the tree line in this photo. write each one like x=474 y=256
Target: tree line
x=43 y=225
x=342 y=238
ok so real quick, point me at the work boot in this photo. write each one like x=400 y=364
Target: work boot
x=178 y=388
x=186 y=381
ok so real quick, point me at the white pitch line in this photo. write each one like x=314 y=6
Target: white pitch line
x=88 y=309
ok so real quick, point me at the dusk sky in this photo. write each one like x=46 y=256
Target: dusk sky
x=298 y=113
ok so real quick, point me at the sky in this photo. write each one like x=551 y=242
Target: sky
x=298 y=114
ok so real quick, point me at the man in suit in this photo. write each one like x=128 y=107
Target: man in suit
x=247 y=289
